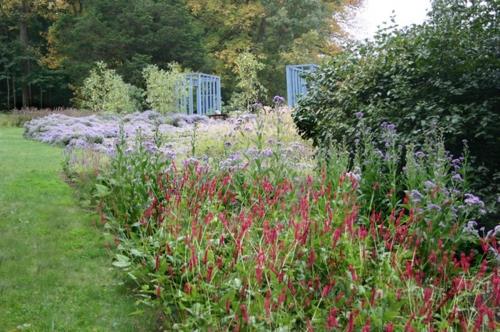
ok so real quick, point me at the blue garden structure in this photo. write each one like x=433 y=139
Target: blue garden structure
x=296 y=85
x=199 y=94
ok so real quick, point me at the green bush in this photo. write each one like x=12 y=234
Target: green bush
x=163 y=88
x=249 y=89
x=105 y=90
x=441 y=74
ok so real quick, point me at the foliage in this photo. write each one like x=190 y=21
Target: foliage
x=271 y=30
x=25 y=79
x=249 y=89
x=266 y=247
x=48 y=47
x=404 y=77
x=163 y=88
x=105 y=90
x=127 y=35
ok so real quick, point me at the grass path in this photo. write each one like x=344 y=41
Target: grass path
x=55 y=274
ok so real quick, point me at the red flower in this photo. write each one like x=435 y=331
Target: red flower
x=244 y=312
x=331 y=320
x=326 y=290
x=267 y=303
x=353 y=273
x=366 y=328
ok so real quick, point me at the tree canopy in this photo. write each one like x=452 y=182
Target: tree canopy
x=47 y=48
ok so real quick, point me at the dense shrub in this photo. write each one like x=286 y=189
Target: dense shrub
x=105 y=90
x=163 y=88
x=267 y=247
x=249 y=89
x=441 y=74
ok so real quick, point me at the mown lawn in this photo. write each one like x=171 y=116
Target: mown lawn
x=55 y=272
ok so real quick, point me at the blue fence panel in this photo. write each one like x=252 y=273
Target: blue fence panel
x=199 y=94
x=296 y=85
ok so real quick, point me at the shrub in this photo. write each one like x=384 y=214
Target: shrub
x=266 y=247
x=105 y=90
x=163 y=88
x=441 y=74
x=249 y=89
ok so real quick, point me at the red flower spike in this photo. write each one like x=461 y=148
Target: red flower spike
x=267 y=303
x=326 y=290
x=353 y=273
x=244 y=312
x=331 y=320
x=157 y=263
x=366 y=327
x=312 y=258
x=350 y=324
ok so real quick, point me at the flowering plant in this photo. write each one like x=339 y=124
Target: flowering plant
x=267 y=247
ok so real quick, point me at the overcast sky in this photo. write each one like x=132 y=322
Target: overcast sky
x=374 y=12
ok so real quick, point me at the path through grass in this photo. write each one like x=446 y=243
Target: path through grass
x=55 y=273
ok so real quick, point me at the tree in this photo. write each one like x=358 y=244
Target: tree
x=24 y=22
x=127 y=35
x=163 y=88
x=105 y=90
x=248 y=87
x=275 y=31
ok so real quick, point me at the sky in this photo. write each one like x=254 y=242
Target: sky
x=374 y=12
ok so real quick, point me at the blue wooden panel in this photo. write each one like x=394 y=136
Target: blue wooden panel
x=296 y=85
x=202 y=96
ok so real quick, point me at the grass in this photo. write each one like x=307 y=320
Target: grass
x=55 y=273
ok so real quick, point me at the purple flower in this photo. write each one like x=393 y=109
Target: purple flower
x=359 y=115
x=419 y=154
x=390 y=127
x=434 y=207
x=257 y=106
x=415 y=196
x=471 y=227
x=472 y=200
x=191 y=162
x=457 y=178
x=267 y=153
x=429 y=185
x=278 y=100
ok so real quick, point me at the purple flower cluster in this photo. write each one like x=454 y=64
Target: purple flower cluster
x=359 y=115
x=278 y=100
x=101 y=132
x=473 y=200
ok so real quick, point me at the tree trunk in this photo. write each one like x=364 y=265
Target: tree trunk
x=41 y=97
x=23 y=39
x=8 y=93
x=14 y=91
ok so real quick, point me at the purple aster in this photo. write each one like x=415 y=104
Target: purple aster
x=415 y=196
x=472 y=200
x=278 y=100
x=267 y=153
x=434 y=207
x=429 y=185
x=359 y=115
x=419 y=154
